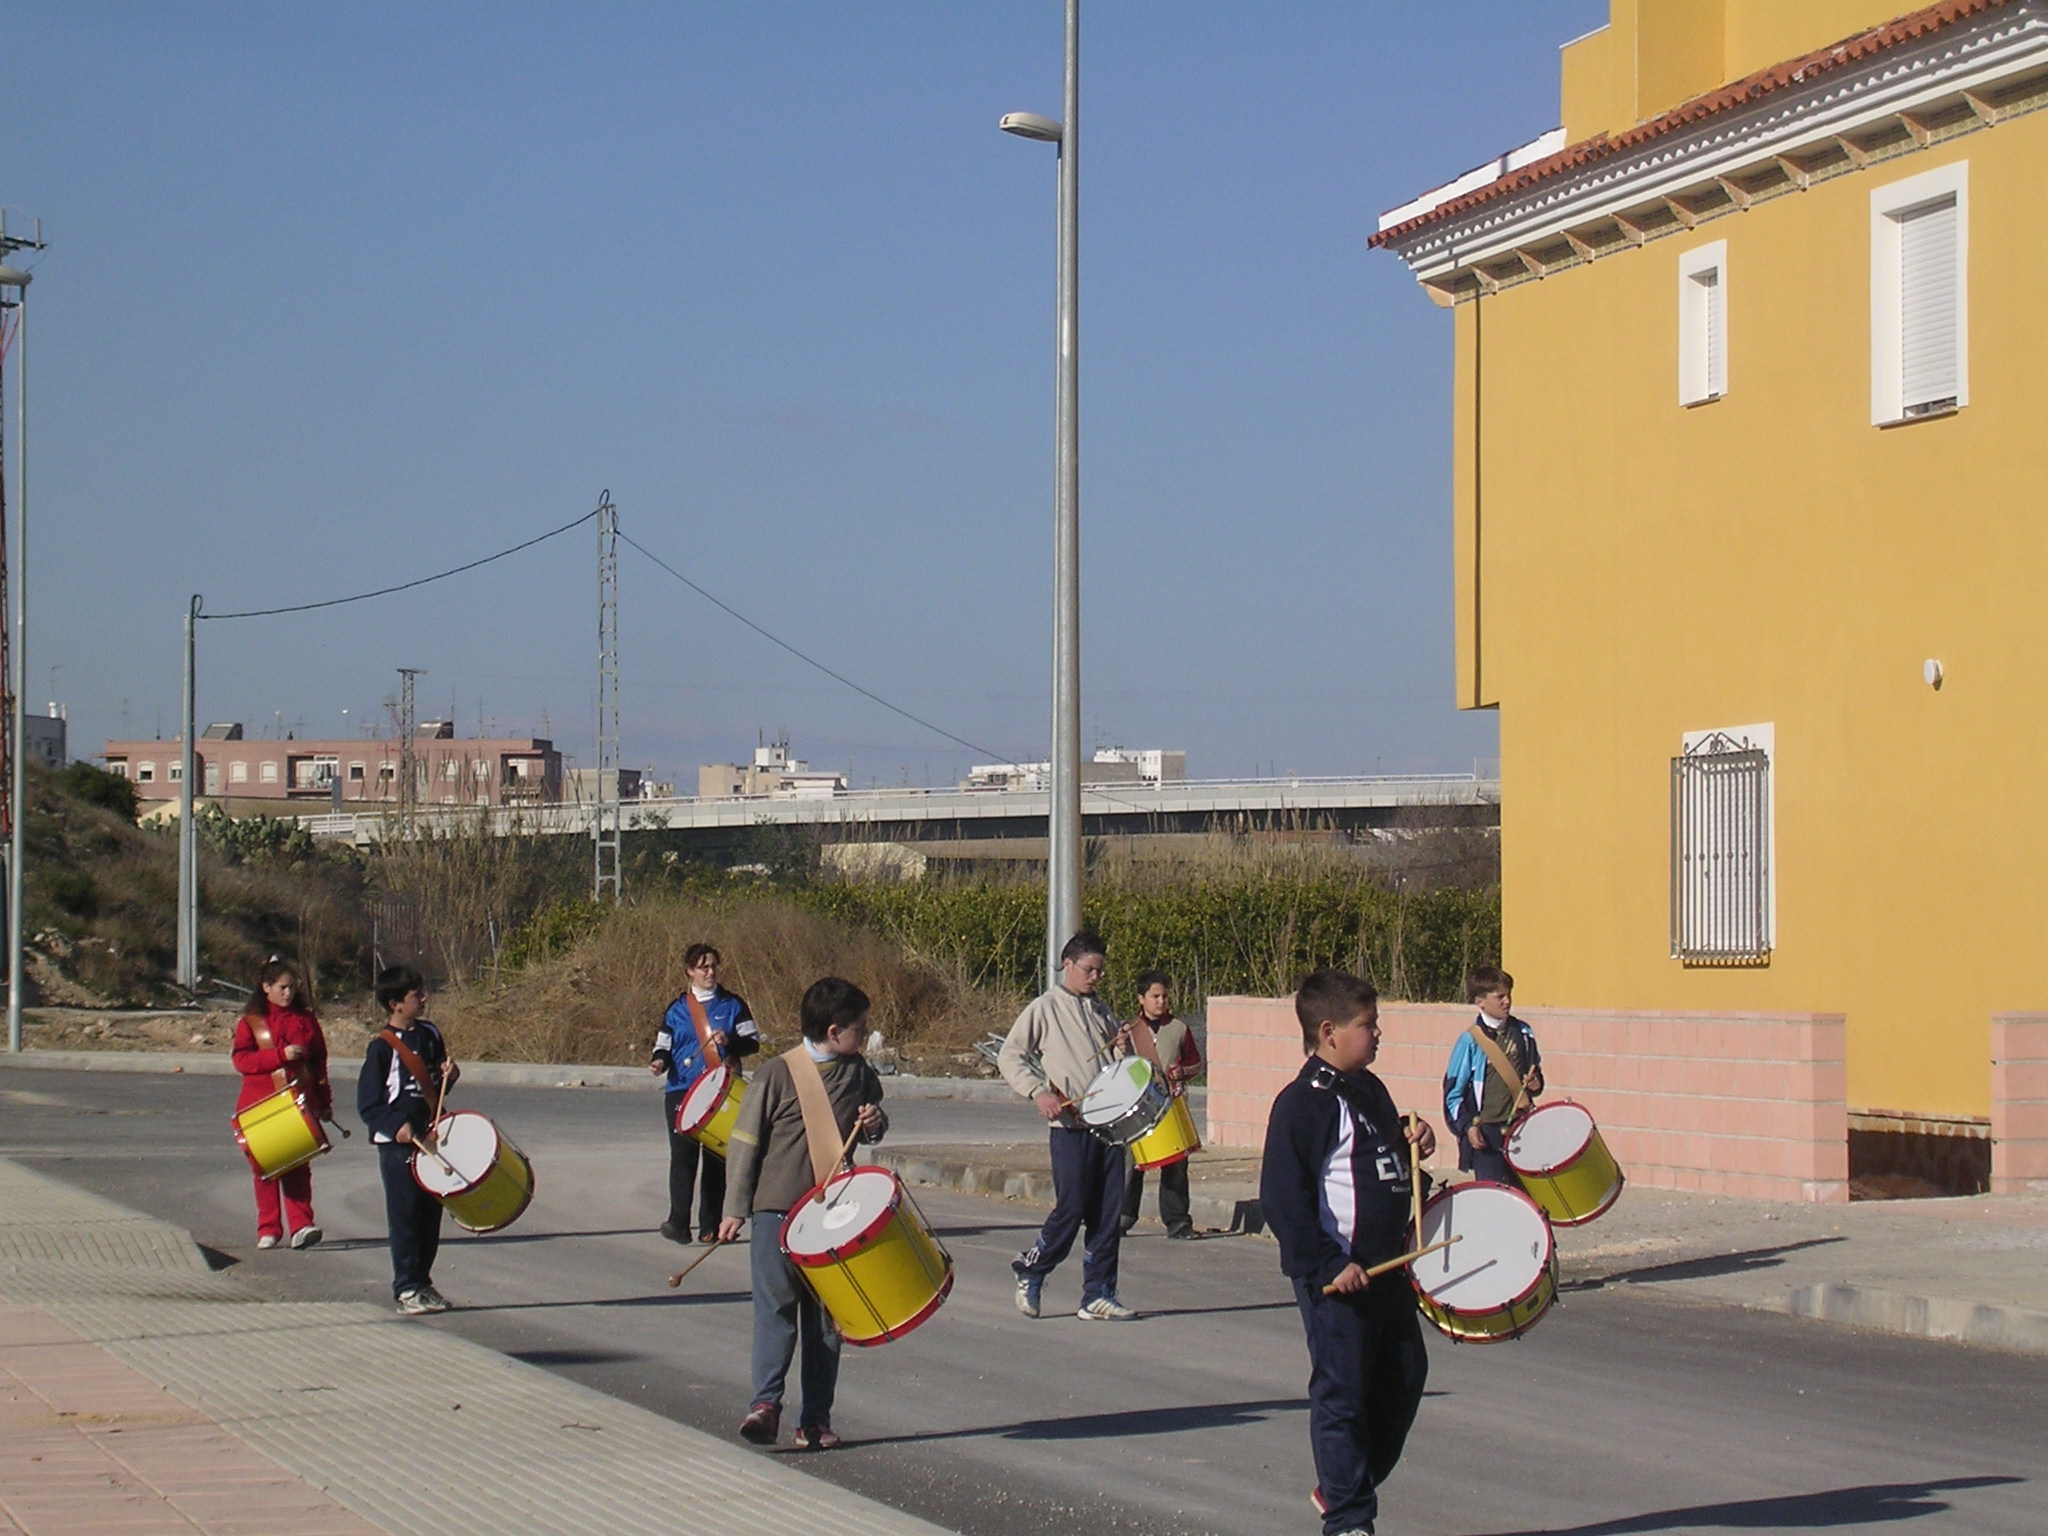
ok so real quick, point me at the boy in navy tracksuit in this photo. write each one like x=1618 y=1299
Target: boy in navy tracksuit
x=393 y=1101
x=1336 y=1192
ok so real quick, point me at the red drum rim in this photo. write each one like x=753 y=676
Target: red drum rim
x=889 y=1335
x=1168 y=1162
x=854 y=1242
x=1556 y=1168
x=1542 y=1271
x=1614 y=1194
x=476 y=1183
x=717 y=1099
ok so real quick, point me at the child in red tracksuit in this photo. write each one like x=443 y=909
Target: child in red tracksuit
x=278 y=1043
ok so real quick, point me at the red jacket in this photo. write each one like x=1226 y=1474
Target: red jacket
x=287 y=1027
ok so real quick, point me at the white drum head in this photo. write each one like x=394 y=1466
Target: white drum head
x=1548 y=1138
x=1116 y=1091
x=704 y=1094
x=467 y=1142
x=851 y=1206
x=1503 y=1249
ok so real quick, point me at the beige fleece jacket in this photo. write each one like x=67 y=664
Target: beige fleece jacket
x=1058 y=1042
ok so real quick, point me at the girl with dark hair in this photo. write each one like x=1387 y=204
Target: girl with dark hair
x=278 y=1044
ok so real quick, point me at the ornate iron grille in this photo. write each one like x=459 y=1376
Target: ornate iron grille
x=1721 y=853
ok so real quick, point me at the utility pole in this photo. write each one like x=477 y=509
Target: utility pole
x=408 y=727
x=188 y=828
x=16 y=658
x=605 y=828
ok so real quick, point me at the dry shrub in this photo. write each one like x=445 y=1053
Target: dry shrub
x=602 y=1000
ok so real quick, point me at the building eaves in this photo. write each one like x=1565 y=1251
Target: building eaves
x=1863 y=45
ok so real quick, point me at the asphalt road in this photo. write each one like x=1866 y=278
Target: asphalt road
x=1623 y=1412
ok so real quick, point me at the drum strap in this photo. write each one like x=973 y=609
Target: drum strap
x=265 y=1040
x=421 y=1072
x=702 y=1023
x=1144 y=1042
x=821 y=1131
x=1498 y=1060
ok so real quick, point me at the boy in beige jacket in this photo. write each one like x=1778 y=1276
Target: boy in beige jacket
x=1053 y=1052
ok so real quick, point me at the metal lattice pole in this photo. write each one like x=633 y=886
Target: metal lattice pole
x=605 y=827
x=408 y=727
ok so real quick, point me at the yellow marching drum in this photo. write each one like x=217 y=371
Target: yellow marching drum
x=864 y=1247
x=279 y=1133
x=1172 y=1139
x=1558 y=1155
x=711 y=1108
x=475 y=1171
x=1498 y=1276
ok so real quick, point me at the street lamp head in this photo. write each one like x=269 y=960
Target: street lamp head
x=1029 y=125
x=14 y=277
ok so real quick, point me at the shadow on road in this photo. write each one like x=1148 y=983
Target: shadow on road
x=553 y=1359
x=1865 y=1505
x=679 y=1299
x=1709 y=1268
x=1249 y=1306
x=1137 y=1421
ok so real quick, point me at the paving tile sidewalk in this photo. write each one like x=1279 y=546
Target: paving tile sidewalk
x=112 y=1326
x=1971 y=1270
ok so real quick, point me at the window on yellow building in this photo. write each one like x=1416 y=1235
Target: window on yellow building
x=1703 y=324
x=1919 y=295
x=1723 y=872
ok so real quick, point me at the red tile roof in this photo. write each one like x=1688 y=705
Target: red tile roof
x=1726 y=98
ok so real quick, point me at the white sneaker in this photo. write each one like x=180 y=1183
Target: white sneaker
x=1029 y=1288
x=305 y=1237
x=413 y=1303
x=1105 y=1309
x=435 y=1301
x=266 y=1241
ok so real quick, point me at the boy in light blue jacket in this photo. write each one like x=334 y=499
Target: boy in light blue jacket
x=1480 y=1102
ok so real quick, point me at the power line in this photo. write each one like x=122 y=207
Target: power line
x=405 y=586
x=812 y=661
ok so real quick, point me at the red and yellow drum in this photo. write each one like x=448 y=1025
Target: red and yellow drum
x=279 y=1133
x=475 y=1171
x=711 y=1108
x=1172 y=1139
x=1563 y=1163
x=868 y=1254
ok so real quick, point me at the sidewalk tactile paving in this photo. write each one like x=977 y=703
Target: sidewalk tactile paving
x=483 y=1443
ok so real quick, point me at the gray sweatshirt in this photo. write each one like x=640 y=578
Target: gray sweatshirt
x=768 y=1165
x=1058 y=1042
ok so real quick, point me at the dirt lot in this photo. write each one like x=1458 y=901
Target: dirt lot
x=183 y=1029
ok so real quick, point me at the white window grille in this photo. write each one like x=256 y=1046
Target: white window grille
x=212 y=777
x=267 y=772
x=1703 y=324
x=1919 y=295
x=238 y=773
x=178 y=772
x=1723 y=873
x=118 y=767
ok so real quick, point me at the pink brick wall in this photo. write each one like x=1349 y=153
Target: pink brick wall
x=2019 y=1103
x=1740 y=1104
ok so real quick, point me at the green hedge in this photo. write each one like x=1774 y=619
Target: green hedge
x=1252 y=935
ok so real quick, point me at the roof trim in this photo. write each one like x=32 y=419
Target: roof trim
x=1740 y=93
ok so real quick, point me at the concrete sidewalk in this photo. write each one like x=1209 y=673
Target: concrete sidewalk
x=1973 y=1271
x=142 y=1392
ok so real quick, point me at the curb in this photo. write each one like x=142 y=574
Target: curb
x=1986 y=1324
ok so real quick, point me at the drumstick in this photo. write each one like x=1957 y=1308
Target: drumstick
x=676 y=1279
x=845 y=1156
x=1415 y=1174
x=1406 y=1258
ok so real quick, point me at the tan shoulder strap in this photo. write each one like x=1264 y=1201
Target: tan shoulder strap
x=421 y=1072
x=702 y=1023
x=1498 y=1060
x=259 y=1031
x=821 y=1131
x=1144 y=1042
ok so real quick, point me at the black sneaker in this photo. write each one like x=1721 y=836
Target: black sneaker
x=674 y=1233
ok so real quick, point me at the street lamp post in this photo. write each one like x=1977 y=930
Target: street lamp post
x=17 y=789
x=1063 y=865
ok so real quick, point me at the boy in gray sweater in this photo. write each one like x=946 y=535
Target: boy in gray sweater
x=769 y=1170
x=1051 y=1055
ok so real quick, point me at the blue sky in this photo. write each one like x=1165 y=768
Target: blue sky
x=340 y=295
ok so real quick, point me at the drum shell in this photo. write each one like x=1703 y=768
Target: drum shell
x=1172 y=1139
x=279 y=1133
x=885 y=1279
x=1134 y=1123
x=714 y=1131
x=494 y=1199
x=1581 y=1189
x=1509 y=1319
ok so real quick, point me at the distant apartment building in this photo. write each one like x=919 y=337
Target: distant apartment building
x=580 y=785
x=772 y=772
x=43 y=737
x=1111 y=765
x=447 y=769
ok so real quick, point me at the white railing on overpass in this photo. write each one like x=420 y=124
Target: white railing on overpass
x=911 y=803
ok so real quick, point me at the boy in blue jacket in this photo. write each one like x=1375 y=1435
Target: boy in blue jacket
x=1336 y=1191
x=704 y=1026
x=1480 y=1100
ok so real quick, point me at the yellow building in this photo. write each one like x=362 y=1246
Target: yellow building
x=1751 y=504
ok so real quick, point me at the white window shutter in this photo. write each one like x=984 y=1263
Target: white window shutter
x=1715 y=304
x=1927 y=305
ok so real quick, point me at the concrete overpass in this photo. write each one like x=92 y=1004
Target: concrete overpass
x=952 y=814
